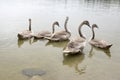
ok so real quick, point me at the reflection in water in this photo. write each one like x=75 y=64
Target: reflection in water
x=21 y=42
x=106 y=51
x=34 y=40
x=102 y=3
x=57 y=44
x=74 y=61
x=44 y=12
x=31 y=41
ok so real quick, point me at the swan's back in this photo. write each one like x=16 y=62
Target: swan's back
x=45 y=33
x=60 y=36
x=100 y=44
x=25 y=34
x=74 y=46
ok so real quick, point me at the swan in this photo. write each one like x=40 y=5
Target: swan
x=44 y=34
x=76 y=45
x=27 y=33
x=98 y=43
x=61 y=35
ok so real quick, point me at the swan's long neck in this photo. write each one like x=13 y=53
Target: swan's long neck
x=29 y=24
x=93 y=33
x=53 y=28
x=65 y=25
x=79 y=30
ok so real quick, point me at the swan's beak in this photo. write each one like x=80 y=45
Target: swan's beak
x=94 y=25
x=89 y=26
x=97 y=27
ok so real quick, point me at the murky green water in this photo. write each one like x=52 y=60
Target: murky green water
x=95 y=64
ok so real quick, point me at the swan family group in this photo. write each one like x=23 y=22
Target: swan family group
x=75 y=45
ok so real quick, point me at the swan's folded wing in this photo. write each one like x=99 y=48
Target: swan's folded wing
x=25 y=34
x=43 y=34
x=73 y=47
x=100 y=44
x=59 y=36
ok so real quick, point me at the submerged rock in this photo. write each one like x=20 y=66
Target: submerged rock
x=33 y=72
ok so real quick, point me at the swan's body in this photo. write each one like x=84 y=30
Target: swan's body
x=76 y=45
x=98 y=43
x=27 y=33
x=61 y=35
x=44 y=34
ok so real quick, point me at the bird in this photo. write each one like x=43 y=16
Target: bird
x=26 y=34
x=98 y=43
x=44 y=34
x=61 y=35
x=76 y=45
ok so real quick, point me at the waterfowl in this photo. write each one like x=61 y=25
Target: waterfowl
x=76 y=45
x=44 y=34
x=98 y=43
x=61 y=35
x=27 y=33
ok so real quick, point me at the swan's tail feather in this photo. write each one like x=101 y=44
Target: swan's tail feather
x=109 y=45
x=20 y=36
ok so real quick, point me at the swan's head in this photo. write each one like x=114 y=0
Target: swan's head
x=94 y=26
x=29 y=19
x=67 y=18
x=56 y=23
x=86 y=23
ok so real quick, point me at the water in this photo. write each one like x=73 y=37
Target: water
x=94 y=64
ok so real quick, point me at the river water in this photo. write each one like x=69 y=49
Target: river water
x=94 y=64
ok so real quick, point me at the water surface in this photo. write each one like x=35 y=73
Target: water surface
x=94 y=64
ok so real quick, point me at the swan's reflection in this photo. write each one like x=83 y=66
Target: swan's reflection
x=36 y=40
x=106 y=4
x=106 y=51
x=21 y=42
x=57 y=44
x=74 y=61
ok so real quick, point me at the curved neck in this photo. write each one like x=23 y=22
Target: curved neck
x=53 y=28
x=65 y=25
x=93 y=33
x=29 y=25
x=79 y=30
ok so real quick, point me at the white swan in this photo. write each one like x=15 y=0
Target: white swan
x=44 y=34
x=76 y=45
x=61 y=35
x=98 y=43
x=27 y=33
